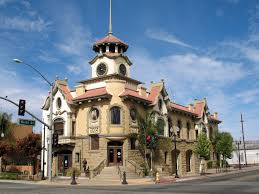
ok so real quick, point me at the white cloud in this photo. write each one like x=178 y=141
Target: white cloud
x=248 y=96
x=191 y=70
x=24 y=24
x=166 y=37
x=76 y=69
x=76 y=42
x=15 y=88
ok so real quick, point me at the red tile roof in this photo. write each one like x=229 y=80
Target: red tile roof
x=111 y=39
x=154 y=92
x=182 y=108
x=93 y=93
x=199 y=108
x=135 y=94
x=67 y=93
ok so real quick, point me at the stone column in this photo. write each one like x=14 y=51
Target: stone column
x=69 y=125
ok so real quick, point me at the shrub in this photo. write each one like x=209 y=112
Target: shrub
x=69 y=172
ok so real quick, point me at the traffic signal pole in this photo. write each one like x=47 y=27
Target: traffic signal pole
x=50 y=134
x=38 y=119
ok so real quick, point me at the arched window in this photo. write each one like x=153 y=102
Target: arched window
x=210 y=133
x=179 y=127
x=188 y=130
x=59 y=126
x=115 y=115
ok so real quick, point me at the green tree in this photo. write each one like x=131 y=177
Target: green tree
x=149 y=128
x=224 y=145
x=203 y=146
x=6 y=124
x=30 y=147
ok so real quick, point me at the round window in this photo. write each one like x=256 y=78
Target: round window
x=133 y=114
x=94 y=114
x=59 y=103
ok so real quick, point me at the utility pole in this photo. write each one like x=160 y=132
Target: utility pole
x=239 y=164
x=243 y=138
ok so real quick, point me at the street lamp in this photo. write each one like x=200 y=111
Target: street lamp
x=50 y=117
x=175 y=155
x=238 y=143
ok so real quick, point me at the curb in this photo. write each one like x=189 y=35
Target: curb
x=219 y=177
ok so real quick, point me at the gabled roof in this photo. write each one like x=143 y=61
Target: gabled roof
x=154 y=93
x=199 y=108
x=94 y=93
x=62 y=86
x=135 y=94
x=65 y=91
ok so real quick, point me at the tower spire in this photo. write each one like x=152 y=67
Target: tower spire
x=110 y=22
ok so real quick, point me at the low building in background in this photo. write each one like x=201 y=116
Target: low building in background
x=252 y=153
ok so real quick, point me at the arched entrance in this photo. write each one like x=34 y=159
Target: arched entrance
x=189 y=161
x=177 y=161
x=63 y=158
x=114 y=156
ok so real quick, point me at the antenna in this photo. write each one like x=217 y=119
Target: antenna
x=110 y=22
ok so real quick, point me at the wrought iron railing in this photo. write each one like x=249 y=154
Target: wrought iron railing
x=97 y=170
x=137 y=168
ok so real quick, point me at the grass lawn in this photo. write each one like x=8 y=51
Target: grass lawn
x=9 y=175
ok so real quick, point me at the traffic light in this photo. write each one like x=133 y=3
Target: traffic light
x=21 y=110
x=55 y=140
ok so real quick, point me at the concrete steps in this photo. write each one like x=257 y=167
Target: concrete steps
x=109 y=174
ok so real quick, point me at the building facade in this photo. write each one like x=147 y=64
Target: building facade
x=94 y=121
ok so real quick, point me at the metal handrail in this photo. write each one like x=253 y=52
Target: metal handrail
x=97 y=170
x=119 y=171
x=138 y=168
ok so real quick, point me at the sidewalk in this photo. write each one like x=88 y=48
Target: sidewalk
x=210 y=173
x=83 y=181
x=92 y=182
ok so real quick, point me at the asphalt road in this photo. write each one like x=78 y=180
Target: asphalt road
x=237 y=184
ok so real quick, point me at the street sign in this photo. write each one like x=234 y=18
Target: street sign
x=26 y=122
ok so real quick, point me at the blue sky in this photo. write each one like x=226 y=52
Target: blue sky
x=201 y=48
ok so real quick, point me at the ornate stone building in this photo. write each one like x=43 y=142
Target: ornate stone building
x=94 y=120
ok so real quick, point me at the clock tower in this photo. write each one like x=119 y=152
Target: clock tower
x=110 y=56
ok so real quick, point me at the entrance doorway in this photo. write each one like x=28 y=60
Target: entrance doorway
x=64 y=161
x=115 y=153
